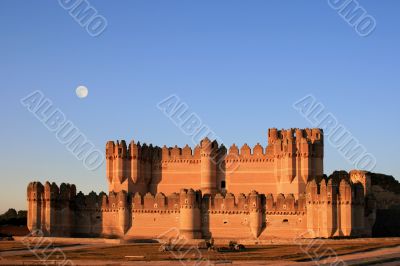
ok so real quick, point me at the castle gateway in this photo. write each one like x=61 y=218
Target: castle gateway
x=261 y=192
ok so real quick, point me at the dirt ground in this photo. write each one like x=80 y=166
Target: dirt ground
x=14 y=252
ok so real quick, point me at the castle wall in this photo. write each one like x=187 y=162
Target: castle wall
x=178 y=173
x=285 y=225
x=293 y=198
x=333 y=208
x=154 y=225
x=87 y=222
x=338 y=206
x=229 y=225
x=291 y=158
x=250 y=172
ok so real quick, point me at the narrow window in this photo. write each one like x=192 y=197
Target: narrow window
x=223 y=184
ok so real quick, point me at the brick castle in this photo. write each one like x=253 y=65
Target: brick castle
x=275 y=191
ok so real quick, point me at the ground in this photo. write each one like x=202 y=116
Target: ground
x=367 y=251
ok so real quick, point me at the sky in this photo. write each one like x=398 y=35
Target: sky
x=238 y=65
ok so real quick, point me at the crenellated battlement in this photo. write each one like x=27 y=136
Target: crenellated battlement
x=186 y=198
x=339 y=188
x=119 y=149
x=144 y=152
x=340 y=204
x=148 y=192
x=339 y=200
x=35 y=191
x=181 y=155
x=247 y=154
x=228 y=203
x=50 y=192
x=155 y=203
x=285 y=204
x=136 y=151
x=296 y=142
x=288 y=154
x=312 y=135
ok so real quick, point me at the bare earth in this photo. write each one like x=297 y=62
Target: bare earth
x=371 y=251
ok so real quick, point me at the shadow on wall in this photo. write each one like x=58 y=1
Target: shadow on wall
x=387 y=223
x=205 y=216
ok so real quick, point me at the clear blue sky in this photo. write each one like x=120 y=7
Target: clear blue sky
x=239 y=65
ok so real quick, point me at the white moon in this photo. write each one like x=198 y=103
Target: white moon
x=82 y=92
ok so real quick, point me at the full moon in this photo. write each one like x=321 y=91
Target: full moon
x=82 y=92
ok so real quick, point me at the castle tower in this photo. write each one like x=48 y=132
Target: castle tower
x=134 y=161
x=290 y=157
x=304 y=152
x=67 y=195
x=272 y=135
x=297 y=158
x=35 y=197
x=331 y=208
x=120 y=163
x=255 y=207
x=312 y=209
x=275 y=141
x=189 y=219
x=364 y=210
x=51 y=193
x=285 y=166
x=317 y=152
x=345 y=208
x=65 y=217
x=325 y=217
x=208 y=166
x=221 y=169
x=139 y=164
x=132 y=168
x=118 y=166
x=123 y=212
x=110 y=147
x=358 y=209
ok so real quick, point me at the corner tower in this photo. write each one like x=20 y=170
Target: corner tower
x=131 y=168
x=297 y=157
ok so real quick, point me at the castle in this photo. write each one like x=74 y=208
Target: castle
x=276 y=191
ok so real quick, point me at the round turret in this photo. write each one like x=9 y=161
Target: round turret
x=35 y=195
x=123 y=212
x=110 y=149
x=272 y=135
x=190 y=220
x=208 y=166
x=255 y=213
